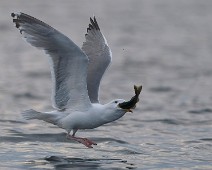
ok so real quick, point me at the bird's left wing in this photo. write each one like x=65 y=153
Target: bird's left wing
x=99 y=54
x=68 y=62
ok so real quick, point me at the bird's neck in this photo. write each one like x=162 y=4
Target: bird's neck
x=109 y=114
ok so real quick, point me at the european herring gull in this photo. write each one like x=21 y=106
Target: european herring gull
x=76 y=75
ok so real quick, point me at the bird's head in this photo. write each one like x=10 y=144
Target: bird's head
x=112 y=110
x=118 y=107
x=115 y=105
x=127 y=106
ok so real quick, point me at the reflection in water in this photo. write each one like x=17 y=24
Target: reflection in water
x=18 y=136
x=59 y=162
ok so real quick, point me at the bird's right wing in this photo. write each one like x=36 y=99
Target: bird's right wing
x=99 y=54
x=68 y=62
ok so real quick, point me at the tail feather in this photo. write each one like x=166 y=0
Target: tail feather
x=31 y=114
x=45 y=116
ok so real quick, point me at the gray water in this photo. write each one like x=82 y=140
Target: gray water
x=165 y=45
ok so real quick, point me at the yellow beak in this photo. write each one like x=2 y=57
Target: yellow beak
x=128 y=110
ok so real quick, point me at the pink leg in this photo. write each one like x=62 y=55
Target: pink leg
x=84 y=141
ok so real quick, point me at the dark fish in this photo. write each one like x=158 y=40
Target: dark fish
x=132 y=102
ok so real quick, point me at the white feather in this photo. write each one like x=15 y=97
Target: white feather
x=68 y=62
x=99 y=54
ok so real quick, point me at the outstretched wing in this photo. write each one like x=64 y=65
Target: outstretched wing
x=68 y=62
x=99 y=54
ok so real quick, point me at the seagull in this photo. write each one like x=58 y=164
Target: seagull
x=76 y=75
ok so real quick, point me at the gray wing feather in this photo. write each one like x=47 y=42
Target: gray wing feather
x=68 y=62
x=99 y=54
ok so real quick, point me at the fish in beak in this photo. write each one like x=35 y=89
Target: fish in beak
x=131 y=104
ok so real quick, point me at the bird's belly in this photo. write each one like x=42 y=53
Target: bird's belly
x=88 y=123
x=82 y=121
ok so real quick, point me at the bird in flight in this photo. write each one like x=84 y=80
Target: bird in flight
x=76 y=75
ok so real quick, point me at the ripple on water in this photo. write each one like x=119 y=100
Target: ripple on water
x=161 y=89
x=201 y=111
x=26 y=95
x=12 y=121
x=168 y=121
x=60 y=162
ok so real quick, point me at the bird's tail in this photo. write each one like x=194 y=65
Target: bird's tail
x=45 y=116
x=32 y=114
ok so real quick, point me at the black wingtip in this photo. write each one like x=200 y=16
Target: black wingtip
x=93 y=24
x=17 y=25
x=12 y=15
x=96 y=24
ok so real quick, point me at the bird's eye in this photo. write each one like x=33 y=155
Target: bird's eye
x=116 y=101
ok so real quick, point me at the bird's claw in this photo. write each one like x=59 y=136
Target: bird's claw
x=88 y=143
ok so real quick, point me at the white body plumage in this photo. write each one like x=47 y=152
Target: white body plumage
x=95 y=116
